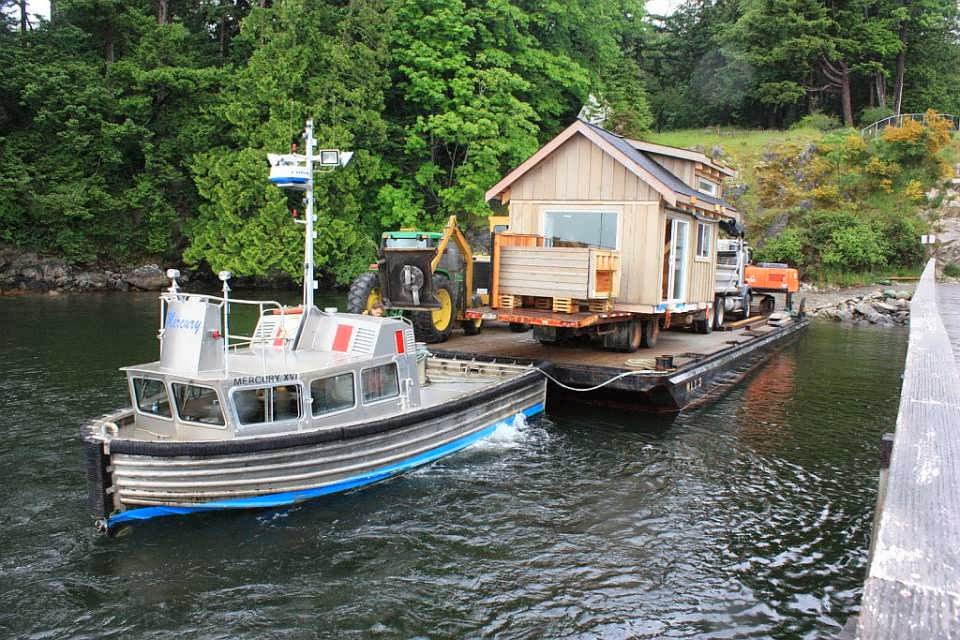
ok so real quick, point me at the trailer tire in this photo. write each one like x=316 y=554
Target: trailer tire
x=364 y=292
x=519 y=327
x=704 y=325
x=472 y=327
x=651 y=332
x=634 y=336
x=718 y=311
x=436 y=326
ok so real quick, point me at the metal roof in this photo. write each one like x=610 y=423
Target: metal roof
x=654 y=167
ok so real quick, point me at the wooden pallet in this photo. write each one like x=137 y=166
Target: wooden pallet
x=600 y=306
x=565 y=305
x=510 y=302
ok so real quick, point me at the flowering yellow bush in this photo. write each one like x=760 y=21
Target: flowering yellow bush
x=910 y=132
x=881 y=169
x=914 y=191
x=939 y=131
x=827 y=195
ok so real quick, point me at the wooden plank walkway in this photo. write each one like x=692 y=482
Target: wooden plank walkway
x=948 y=296
x=912 y=590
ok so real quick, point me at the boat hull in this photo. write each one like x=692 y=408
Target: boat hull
x=135 y=480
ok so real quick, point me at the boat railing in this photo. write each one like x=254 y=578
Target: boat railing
x=232 y=342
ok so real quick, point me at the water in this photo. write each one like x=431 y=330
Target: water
x=747 y=518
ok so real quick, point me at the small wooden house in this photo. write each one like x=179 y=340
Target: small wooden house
x=657 y=206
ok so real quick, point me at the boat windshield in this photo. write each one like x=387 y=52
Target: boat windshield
x=334 y=393
x=151 y=397
x=380 y=383
x=197 y=404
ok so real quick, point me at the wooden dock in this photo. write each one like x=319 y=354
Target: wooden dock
x=703 y=365
x=912 y=589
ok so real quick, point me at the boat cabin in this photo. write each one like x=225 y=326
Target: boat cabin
x=292 y=374
x=658 y=207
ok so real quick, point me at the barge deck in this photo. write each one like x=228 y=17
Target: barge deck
x=704 y=366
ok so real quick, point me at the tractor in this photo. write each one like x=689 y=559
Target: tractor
x=423 y=276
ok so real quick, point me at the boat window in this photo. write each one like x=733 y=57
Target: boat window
x=267 y=404
x=332 y=394
x=380 y=383
x=151 y=397
x=581 y=229
x=197 y=404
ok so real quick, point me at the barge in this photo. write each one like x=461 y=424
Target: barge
x=683 y=370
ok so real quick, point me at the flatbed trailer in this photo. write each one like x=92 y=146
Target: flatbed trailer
x=540 y=317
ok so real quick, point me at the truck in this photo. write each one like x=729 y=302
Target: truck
x=740 y=286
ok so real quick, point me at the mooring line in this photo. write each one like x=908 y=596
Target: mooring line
x=594 y=388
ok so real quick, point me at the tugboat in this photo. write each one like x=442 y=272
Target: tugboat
x=314 y=402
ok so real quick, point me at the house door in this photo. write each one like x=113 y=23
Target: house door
x=675 y=247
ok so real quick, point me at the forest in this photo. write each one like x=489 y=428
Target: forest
x=137 y=129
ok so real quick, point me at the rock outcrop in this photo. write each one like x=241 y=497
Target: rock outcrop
x=25 y=271
x=884 y=308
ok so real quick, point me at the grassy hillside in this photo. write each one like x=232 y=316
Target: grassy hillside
x=844 y=210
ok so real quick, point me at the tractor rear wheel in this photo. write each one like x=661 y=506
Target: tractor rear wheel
x=364 y=293
x=435 y=326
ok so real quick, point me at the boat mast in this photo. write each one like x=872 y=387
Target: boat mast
x=309 y=284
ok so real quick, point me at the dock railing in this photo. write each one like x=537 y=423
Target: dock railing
x=912 y=589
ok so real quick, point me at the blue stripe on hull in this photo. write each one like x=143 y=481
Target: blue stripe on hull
x=292 y=497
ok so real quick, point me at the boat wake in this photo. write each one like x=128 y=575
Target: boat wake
x=508 y=434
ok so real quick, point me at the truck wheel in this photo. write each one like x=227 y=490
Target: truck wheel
x=435 y=326
x=651 y=332
x=746 y=306
x=718 y=311
x=472 y=327
x=364 y=292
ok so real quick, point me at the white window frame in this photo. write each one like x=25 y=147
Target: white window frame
x=562 y=210
x=708 y=229
x=206 y=425
x=247 y=425
x=675 y=223
x=714 y=186
x=136 y=401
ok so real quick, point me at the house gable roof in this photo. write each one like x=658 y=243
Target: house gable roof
x=683 y=154
x=633 y=159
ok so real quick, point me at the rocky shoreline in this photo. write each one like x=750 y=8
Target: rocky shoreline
x=882 y=307
x=23 y=272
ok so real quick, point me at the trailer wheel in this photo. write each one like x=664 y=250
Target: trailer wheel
x=705 y=324
x=651 y=332
x=364 y=292
x=437 y=325
x=519 y=327
x=472 y=327
x=634 y=336
x=718 y=311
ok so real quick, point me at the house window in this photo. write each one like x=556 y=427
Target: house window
x=267 y=404
x=379 y=383
x=332 y=394
x=581 y=229
x=704 y=240
x=197 y=404
x=151 y=396
x=708 y=187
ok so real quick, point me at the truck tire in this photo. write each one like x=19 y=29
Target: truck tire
x=651 y=332
x=437 y=325
x=718 y=312
x=364 y=292
x=746 y=306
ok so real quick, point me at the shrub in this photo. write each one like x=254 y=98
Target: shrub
x=855 y=248
x=914 y=191
x=874 y=114
x=902 y=240
x=786 y=247
x=817 y=120
x=952 y=270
